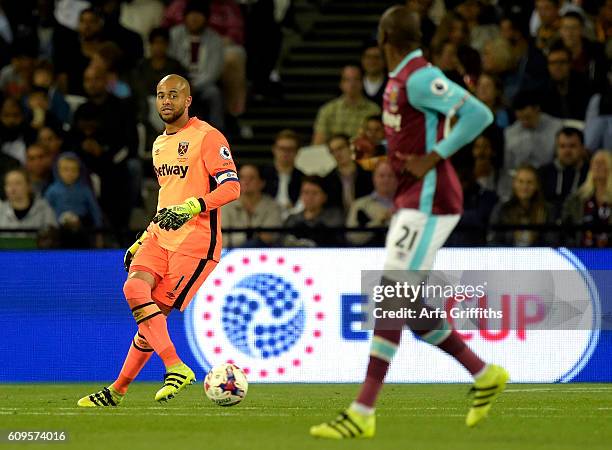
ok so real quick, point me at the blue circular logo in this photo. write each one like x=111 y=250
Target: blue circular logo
x=263 y=315
x=261 y=310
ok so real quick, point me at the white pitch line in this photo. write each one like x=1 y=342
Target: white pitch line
x=596 y=389
x=130 y=414
x=127 y=413
x=229 y=413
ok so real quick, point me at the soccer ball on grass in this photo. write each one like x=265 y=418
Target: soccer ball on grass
x=226 y=385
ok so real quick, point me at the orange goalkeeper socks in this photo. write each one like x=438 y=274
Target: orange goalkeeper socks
x=150 y=320
x=138 y=355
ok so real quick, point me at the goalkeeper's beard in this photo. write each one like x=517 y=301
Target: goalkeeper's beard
x=174 y=116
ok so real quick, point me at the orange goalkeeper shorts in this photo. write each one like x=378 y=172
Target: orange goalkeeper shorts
x=178 y=277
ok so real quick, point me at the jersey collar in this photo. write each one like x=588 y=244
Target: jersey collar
x=410 y=56
x=191 y=119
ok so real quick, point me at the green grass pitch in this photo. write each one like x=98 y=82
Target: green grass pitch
x=575 y=416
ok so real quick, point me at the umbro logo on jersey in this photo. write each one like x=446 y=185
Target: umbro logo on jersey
x=166 y=170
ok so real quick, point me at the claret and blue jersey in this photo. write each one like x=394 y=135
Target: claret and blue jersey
x=419 y=102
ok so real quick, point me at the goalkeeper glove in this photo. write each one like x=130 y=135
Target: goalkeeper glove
x=129 y=254
x=174 y=217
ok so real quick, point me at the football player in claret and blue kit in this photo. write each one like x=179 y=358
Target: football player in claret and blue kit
x=419 y=102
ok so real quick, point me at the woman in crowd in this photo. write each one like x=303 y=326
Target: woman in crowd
x=591 y=205
x=489 y=91
x=526 y=207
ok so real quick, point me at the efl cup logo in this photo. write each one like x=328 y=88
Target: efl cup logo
x=263 y=315
x=258 y=310
x=548 y=304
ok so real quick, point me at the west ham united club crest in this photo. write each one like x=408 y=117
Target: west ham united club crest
x=182 y=148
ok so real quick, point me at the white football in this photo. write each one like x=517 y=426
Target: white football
x=226 y=385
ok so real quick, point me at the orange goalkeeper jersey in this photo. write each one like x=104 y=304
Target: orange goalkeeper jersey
x=194 y=162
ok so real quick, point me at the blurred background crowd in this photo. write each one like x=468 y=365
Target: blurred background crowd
x=296 y=86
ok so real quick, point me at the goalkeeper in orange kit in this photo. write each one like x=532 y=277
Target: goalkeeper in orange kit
x=182 y=245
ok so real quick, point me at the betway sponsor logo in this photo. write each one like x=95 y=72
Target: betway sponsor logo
x=165 y=170
x=392 y=120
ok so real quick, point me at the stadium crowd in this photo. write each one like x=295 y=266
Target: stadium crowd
x=77 y=119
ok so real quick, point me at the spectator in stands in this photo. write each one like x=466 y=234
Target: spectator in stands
x=375 y=209
x=254 y=209
x=374 y=73
x=370 y=146
x=473 y=12
x=16 y=78
x=141 y=16
x=550 y=21
x=603 y=26
x=41 y=28
x=39 y=110
x=15 y=133
x=567 y=172
x=44 y=77
x=568 y=91
x=72 y=56
x=526 y=206
x=487 y=154
x=592 y=205
x=39 y=166
x=74 y=203
x=67 y=12
x=587 y=56
x=478 y=203
x=374 y=131
x=51 y=140
x=529 y=72
x=174 y=13
x=428 y=27
x=226 y=19
x=348 y=180
x=108 y=58
x=489 y=91
x=283 y=179
x=22 y=209
x=129 y=41
x=444 y=56
x=105 y=136
x=497 y=60
x=479 y=182
x=310 y=227
x=452 y=28
x=598 y=126
x=6 y=37
x=531 y=139
x=344 y=114
x=7 y=163
x=200 y=49
x=159 y=64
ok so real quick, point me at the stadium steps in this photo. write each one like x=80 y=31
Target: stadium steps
x=332 y=36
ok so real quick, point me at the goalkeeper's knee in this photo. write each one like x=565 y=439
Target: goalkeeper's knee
x=140 y=343
x=138 y=295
